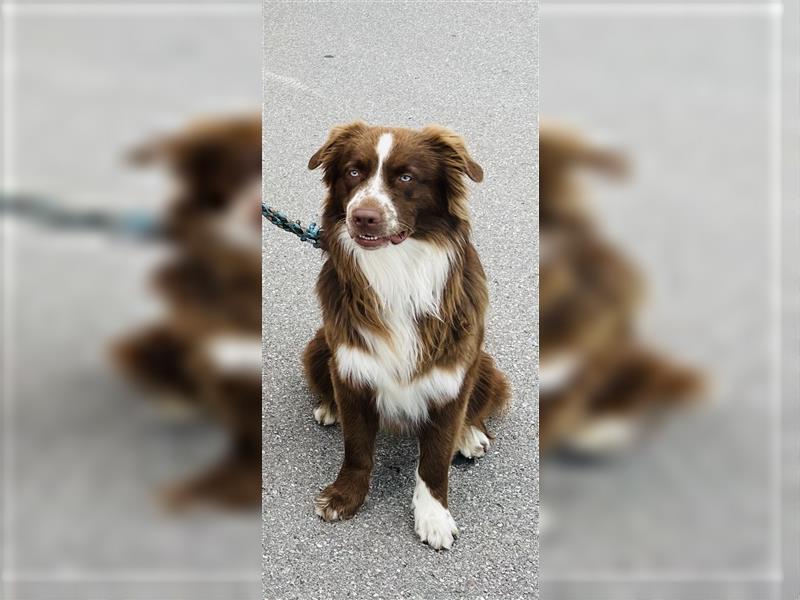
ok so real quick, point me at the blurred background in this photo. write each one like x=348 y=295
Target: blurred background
x=691 y=94
x=87 y=454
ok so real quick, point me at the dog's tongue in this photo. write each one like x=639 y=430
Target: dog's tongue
x=398 y=237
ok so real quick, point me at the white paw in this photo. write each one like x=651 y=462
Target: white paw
x=433 y=522
x=604 y=436
x=474 y=443
x=325 y=415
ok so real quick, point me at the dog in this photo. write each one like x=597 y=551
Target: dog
x=204 y=354
x=600 y=386
x=404 y=299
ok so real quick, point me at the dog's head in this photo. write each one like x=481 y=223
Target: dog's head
x=563 y=154
x=389 y=184
x=213 y=160
x=216 y=163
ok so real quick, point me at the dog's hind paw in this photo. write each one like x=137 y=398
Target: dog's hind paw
x=473 y=443
x=603 y=437
x=326 y=415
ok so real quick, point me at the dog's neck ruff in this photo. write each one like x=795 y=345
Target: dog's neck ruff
x=408 y=281
x=407 y=278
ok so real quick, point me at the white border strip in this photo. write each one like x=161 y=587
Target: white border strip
x=651 y=9
x=775 y=162
x=673 y=577
x=126 y=9
x=6 y=284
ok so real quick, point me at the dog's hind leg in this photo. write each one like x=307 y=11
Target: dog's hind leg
x=157 y=358
x=316 y=362
x=490 y=396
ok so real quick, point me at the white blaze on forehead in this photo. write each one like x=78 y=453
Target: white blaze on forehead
x=383 y=148
x=374 y=188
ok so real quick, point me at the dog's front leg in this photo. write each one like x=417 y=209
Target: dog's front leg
x=342 y=499
x=432 y=520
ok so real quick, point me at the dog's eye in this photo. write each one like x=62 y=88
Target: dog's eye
x=405 y=178
x=354 y=173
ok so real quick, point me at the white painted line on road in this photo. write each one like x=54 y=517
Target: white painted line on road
x=293 y=83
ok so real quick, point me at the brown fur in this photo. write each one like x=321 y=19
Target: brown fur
x=432 y=207
x=490 y=385
x=588 y=293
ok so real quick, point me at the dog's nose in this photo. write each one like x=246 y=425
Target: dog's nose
x=367 y=218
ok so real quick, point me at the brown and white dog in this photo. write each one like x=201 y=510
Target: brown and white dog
x=601 y=387
x=404 y=301
x=203 y=355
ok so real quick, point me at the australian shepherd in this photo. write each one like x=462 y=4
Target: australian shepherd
x=404 y=299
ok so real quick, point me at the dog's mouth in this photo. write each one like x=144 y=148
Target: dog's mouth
x=375 y=241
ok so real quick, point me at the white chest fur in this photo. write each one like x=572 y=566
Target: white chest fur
x=555 y=374
x=235 y=353
x=408 y=280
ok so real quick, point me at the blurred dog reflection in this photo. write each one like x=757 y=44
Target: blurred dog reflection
x=205 y=353
x=600 y=386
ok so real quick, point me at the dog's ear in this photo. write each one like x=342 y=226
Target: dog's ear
x=457 y=162
x=562 y=146
x=170 y=150
x=451 y=146
x=336 y=137
x=148 y=153
x=608 y=161
x=234 y=137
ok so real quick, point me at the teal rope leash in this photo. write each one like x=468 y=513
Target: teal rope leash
x=135 y=224
x=40 y=210
x=310 y=234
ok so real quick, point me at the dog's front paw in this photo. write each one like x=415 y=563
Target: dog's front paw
x=433 y=523
x=473 y=443
x=326 y=414
x=335 y=503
